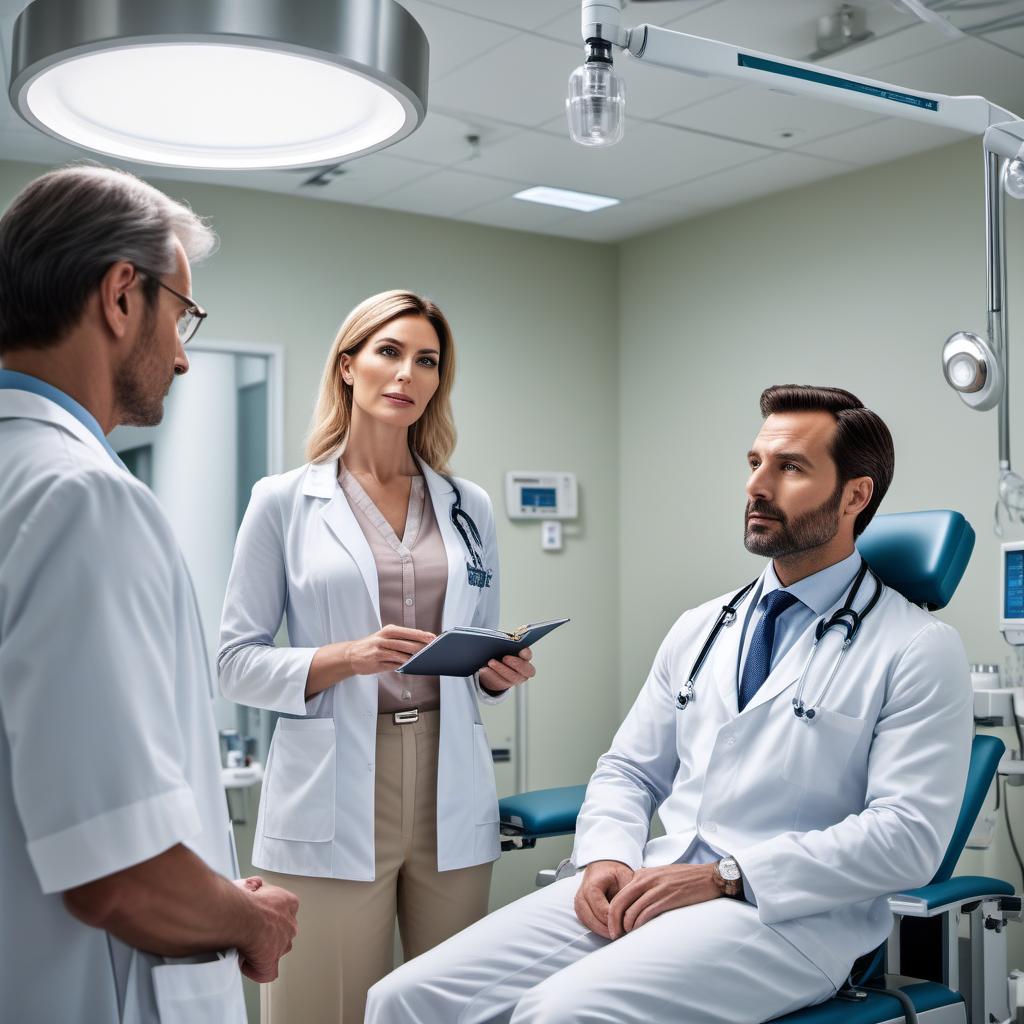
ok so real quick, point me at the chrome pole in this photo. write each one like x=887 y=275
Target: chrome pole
x=522 y=740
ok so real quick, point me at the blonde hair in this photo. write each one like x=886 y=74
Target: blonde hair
x=432 y=436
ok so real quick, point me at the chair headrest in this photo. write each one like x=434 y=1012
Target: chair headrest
x=923 y=555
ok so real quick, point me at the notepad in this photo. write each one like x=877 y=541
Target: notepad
x=465 y=649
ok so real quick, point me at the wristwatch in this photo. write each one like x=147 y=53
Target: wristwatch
x=728 y=878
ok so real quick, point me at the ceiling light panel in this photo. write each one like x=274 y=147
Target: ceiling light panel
x=582 y=202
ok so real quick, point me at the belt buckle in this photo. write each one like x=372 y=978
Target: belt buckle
x=406 y=717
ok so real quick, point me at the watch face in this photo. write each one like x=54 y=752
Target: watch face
x=729 y=869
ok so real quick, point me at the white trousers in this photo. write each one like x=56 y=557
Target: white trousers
x=532 y=962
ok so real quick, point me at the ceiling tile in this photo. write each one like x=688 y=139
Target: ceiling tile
x=455 y=36
x=885 y=140
x=772 y=173
x=441 y=139
x=618 y=222
x=521 y=82
x=517 y=214
x=965 y=68
x=651 y=157
x=365 y=179
x=784 y=27
x=519 y=14
x=868 y=58
x=1012 y=39
x=447 y=194
x=769 y=118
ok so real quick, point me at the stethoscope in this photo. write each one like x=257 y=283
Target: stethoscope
x=846 y=618
x=479 y=575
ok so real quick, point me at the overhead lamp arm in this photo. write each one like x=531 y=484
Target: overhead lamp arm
x=596 y=108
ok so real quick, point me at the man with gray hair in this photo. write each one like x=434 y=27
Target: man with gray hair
x=115 y=845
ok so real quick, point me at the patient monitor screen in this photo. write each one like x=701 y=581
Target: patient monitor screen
x=1013 y=585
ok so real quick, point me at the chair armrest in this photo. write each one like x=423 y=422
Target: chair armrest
x=942 y=897
x=541 y=813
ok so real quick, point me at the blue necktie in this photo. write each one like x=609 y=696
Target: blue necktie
x=759 y=654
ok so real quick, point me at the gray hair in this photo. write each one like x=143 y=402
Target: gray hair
x=65 y=230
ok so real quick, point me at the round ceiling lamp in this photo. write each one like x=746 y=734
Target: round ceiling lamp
x=228 y=84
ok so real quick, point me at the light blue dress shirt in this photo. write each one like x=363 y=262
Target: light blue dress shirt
x=12 y=380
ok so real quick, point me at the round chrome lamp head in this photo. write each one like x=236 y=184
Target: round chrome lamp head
x=973 y=370
x=228 y=84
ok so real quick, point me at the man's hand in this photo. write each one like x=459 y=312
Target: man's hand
x=602 y=879
x=652 y=891
x=498 y=676
x=275 y=927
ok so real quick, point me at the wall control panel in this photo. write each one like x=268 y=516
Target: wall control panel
x=535 y=494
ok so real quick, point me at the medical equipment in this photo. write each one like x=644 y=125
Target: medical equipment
x=846 y=618
x=975 y=367
x=548 y=496
x=1011 y=593
x=535 y=494
x=479 y=574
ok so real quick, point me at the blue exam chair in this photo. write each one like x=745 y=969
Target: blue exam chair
x=944 y=979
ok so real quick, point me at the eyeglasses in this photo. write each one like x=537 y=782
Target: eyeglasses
x=191 y=317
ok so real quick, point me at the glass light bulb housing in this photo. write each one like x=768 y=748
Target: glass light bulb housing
x=219 y=84
x=596 y=104
x=1014 y=180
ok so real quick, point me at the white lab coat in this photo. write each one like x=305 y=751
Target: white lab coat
x=300 y=553
x=824 y=816
x=108 y=751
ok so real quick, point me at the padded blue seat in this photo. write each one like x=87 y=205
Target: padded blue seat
x=876 y=1007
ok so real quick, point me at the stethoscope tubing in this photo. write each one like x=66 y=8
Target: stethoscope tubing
x=846 y=618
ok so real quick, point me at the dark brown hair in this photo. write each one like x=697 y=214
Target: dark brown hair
x=861 y=445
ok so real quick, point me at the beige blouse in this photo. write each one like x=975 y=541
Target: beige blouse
x=412 y=579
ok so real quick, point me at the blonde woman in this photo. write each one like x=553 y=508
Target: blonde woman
x=379 y=799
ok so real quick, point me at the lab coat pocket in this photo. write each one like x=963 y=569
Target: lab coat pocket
x=301 y=785
x=200 y=993
x=485 y=790
x=818 y=751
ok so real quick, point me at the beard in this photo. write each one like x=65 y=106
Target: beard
x=142 y=382
x=792 y=536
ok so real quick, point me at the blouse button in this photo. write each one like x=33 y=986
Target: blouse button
x=408 y=602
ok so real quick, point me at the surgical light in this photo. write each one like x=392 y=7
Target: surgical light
x=1014 y=180
x=221 y=84
x=597 y=98
x=973 y=369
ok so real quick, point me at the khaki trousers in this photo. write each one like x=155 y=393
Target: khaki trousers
x=347 y=929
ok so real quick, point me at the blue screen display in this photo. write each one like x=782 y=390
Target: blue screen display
x=539 y=497
x=1013 y=597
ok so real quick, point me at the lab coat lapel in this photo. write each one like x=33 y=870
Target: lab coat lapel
x=322 y=482
x=725 y=654
x=458 y=601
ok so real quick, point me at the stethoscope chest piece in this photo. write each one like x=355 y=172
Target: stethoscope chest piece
x=685 y=696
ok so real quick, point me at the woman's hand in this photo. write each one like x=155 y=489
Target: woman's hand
x=498 y=676
x=384 y=651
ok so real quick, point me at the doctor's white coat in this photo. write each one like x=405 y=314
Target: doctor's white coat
x=824 y=817
x=108 y=749
x=301 y=554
